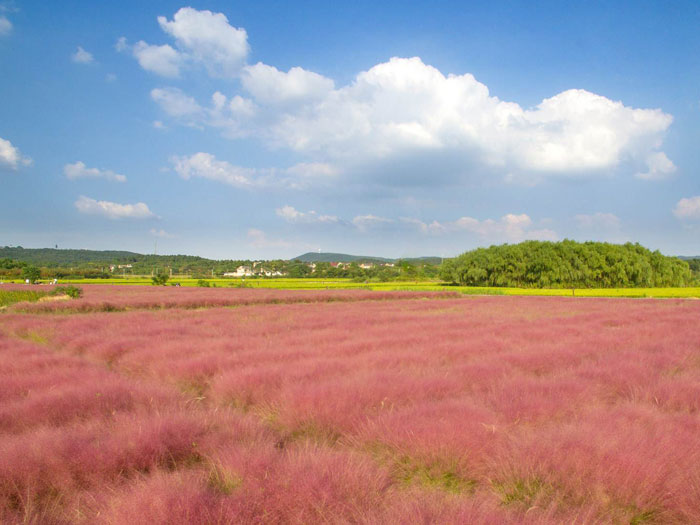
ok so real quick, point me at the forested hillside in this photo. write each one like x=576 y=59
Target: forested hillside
x=94 y=263
x=566 y=264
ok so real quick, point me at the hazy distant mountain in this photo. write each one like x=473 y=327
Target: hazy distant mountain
x=345 y=258
x=52 y=256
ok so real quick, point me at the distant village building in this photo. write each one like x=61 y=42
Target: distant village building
x=247 y=271
x=243 y=271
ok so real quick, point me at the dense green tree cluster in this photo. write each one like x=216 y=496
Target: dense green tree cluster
x=401 y=270
x=694 y=266
x=566 y=264
x=9 y=264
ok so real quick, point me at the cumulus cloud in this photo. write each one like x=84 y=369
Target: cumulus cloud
x=161 y=60
x=5 y=26
x=176 y=104
x=208 y=38
x=509 y=227
x=78 y=170
x=369 y=221
x=82 y=57
x=207 y=166
x=291 y=214
x=403 y=110
x=598 y=221
x=688 y=208
x=113 y=210
x=423 y=227
x=201 y=37
x=10 y=156
x=269 y=85
x=403 y=118
x=659 y=167
x=404 y=106
x=121 y=44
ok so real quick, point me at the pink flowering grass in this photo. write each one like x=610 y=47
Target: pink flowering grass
x=480 y=409
x=113 y=298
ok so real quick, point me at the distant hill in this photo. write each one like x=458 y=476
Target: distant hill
x=52 y=258
x=345 y=258
x=60 y=257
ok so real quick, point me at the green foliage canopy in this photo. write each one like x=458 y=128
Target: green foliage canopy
x=32 y=273
x=160 y=278
x=566 y=264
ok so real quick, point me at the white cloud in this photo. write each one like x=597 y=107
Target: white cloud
x=161 y=233
x=121 y=44
x=510 y=227
x=78 y=170
x=5 y=26
x=433 y=227
x=403 y=118
x=598 y=221
x=206 y=166
x=201 y=37
x=175 y=103
x=82 y=57
x=113 y=210
x=208 y=38
x=404 y=106
x=10 y=156
x=110 y=77
x=162 y=60
x=269 y=85
x=688 y=208
x=404 y=110
x=290 y=214
x=659 y=167
x=240 y=106
x=367 y=222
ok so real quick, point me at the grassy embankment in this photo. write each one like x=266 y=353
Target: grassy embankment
x=8 y=297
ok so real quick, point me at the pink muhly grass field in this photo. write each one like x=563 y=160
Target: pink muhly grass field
x=110 y=298
x=351 y=410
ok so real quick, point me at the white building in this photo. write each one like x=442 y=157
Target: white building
x=242 y=271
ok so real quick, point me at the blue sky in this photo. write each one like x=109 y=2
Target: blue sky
x=268 y=129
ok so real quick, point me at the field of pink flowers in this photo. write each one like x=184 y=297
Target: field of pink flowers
x=110 y=298
x=457 y=410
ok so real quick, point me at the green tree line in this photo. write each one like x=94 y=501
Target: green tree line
x=567 y=264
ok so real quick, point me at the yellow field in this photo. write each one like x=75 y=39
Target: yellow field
x=316 y=284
